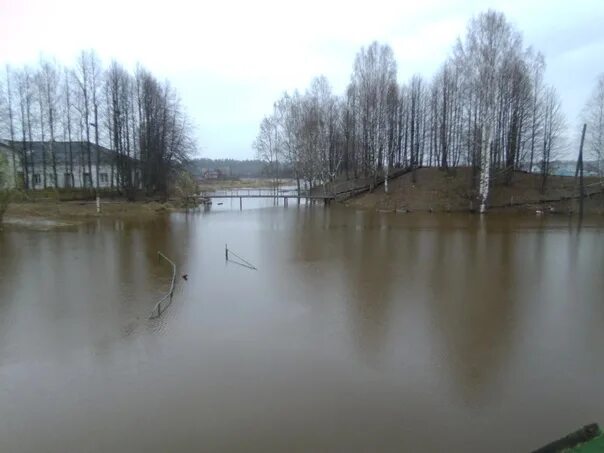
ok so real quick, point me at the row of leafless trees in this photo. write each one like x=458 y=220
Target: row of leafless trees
x=487 y=107
x=593 y=116
x=134 y=114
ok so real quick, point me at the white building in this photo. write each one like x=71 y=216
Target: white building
x=70 y=159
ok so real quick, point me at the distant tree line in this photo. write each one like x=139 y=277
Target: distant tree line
x=253 y=168
x=132 y=113
x=487 y=108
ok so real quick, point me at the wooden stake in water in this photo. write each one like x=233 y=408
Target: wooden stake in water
x=238 y=260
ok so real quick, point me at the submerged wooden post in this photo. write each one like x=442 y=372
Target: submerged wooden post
x=226 y=252
x=240 y=203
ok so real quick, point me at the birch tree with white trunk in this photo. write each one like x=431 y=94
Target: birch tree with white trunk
x=490 y=41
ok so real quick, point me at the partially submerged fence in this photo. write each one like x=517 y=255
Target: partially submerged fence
x=167 y=299
x=239 y=260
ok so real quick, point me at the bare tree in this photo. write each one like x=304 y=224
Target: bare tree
x=83 y=77
x=95 y=84
x=489 y=43
x=372 y=79
x=537 y=69
x=267 y=145
x=4 y=192
x=39 y=96
x=553 y=129
x=119 y=108
x=26 y=94
x=11 y=121
x=68 y=125
x=593 y=115
x=288 y=116
x=164 y=130
x=415 y=119
x=323 y=105
x=48 y=89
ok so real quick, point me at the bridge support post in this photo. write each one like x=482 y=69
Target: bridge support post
x=240 y=203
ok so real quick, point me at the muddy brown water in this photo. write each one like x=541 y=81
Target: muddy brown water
x=359 y=331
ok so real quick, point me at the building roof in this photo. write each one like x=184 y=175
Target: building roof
x=61 y=150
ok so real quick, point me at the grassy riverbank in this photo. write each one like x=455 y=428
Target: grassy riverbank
x=440 y=191
x=68 y=207
x=433 y=190
x=51 y=213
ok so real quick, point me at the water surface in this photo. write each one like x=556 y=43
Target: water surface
x=358 y=332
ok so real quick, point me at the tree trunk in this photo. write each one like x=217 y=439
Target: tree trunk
x=485 y=167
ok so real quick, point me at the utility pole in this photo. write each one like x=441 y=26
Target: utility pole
x=96 y=142
x=98 y=159
x=579 y=173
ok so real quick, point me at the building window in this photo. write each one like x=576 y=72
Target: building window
x=87 y=180
x=37 y=179
x=104 y=178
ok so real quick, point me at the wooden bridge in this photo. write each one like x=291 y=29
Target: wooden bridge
x=285 y=195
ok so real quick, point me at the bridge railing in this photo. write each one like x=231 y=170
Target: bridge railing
x=260 y=192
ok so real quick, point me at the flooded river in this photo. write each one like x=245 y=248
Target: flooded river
x=359 y=331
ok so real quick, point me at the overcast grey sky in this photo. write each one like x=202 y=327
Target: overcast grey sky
x=230 y=60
